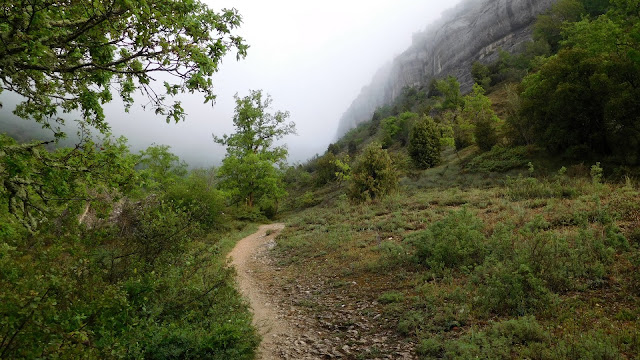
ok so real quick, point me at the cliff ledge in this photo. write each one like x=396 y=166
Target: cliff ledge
x=472 y=31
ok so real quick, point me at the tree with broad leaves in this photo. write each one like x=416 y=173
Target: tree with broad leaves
x=72 y=55
x=248 y=171
x=477 y=111
x=584 y=102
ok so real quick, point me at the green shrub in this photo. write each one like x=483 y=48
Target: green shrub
x=456 y=241
x=246 y=213
x=500 y=159
x=463 y=129
x=147 y=227
x=220 y=341
x=392 y=253
x=411 y=321
x=594 y=345
x=477 y=111
x=395 y=129
x=134 y=280
x=516 y=338
x=160 y=168
x=485 y=134
x=481 y=75
x=326 y=169
x=568 y=263
x=390 y=128
x=450 y=89
x=268 y=207
x=430 y=348
x=519 y=331
x=523 y=188
x=199 y=198
x=99 y=292
x=576 y=102
x=523 y=272
x=424 y=144
x=307 y=200
x=298 y=177
x=373 y=174
x=597 y=173
x=391 y=297
x=549 y=25
x=510 y=288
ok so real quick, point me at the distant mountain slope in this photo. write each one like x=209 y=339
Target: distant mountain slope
x=472 y=31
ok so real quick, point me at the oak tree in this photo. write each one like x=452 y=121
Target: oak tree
x=248 y=170
x=73 y=55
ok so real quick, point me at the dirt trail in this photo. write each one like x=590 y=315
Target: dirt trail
x=266 y=318
x=302 y=315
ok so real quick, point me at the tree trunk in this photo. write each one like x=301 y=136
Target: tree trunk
x=250 y=200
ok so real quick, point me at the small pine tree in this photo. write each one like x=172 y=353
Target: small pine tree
x=424 y=144
x=485 y=133
x=373 y=174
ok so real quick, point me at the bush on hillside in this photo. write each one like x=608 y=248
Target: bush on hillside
x=501 y=159
x=373 y=174
x=498 y=341
x=450 y=89
x=463 y=129
x=456 y=241
x=326 y=169
x=477 y=110
x=510 y=288
x=396 y=129
x=424 y=144
x=481 y=75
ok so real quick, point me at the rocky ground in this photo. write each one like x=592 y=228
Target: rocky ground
x=302 y=316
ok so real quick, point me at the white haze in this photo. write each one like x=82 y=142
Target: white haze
x=312 y=57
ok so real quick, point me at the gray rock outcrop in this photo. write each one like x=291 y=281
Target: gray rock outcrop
x=472 y=31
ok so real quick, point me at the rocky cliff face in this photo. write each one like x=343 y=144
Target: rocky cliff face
x=472 y=31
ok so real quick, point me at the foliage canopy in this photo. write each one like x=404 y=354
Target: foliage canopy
x=584 y=100
x=424 y=143
x=95 y=266
x=450 y=90
x=67 y=56
x=248 y=171
x=477 y=111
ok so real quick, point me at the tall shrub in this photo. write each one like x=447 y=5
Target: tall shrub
x=373 y=174
x=424 y=144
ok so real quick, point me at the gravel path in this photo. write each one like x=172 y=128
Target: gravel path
x=301 y=316
x=270 y=324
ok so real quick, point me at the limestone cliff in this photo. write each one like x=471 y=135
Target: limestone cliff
x=472 y=31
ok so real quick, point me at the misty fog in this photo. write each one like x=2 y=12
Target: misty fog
x=313 y=58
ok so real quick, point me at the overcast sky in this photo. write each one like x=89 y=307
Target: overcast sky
x=312 y=57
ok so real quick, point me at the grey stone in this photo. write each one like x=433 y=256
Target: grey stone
x=472 y=31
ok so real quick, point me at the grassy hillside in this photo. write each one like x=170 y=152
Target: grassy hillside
x=500 y=224
x=473 y=264
x=519 y=238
